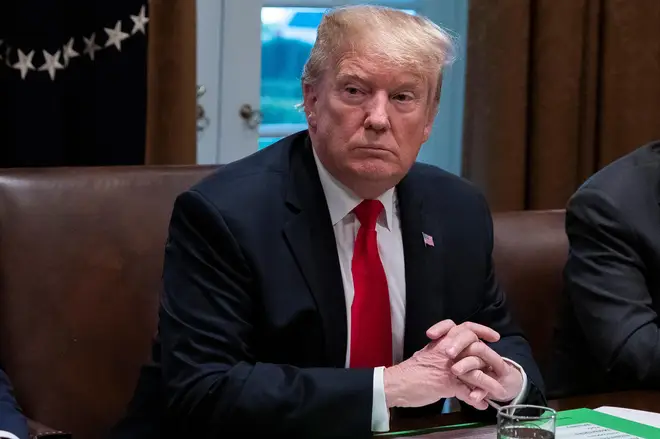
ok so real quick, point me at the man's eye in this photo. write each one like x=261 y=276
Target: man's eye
x=403 y=97
x=352 y=90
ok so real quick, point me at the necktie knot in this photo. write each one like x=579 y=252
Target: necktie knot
x=367 y=213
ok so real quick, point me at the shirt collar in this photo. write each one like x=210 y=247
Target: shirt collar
x=341 y=200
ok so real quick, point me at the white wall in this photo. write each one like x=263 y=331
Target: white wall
x=209 y=19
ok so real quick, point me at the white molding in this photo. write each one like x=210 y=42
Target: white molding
x=209 y=17
x=240 y=78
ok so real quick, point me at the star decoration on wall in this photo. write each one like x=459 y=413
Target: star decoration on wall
x=7 y=55
x=68 y=52
x=22 y=59
x=115 y=36
x=51 y=64
x=139 y=21
x=24 y=62
x=91 y=46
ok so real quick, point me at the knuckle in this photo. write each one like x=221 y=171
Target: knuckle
x=481 y=363
x=474 y=327
x=479 y=376
x=460 y=329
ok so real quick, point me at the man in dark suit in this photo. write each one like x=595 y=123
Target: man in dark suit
x=308 y=288
x=609 y=338
x=12 y=422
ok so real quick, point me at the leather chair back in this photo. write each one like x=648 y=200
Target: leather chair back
x=81 y=254
x=530 y=252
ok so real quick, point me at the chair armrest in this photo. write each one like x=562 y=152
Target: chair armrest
x=38 y=430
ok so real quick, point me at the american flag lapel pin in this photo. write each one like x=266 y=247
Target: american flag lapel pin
x=428 y=240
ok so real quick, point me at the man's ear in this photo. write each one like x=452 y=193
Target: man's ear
x=310 y=99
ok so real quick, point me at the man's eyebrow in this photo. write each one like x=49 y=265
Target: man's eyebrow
x=410 y=83
x=351 y=76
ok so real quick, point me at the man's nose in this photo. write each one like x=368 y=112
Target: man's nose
x=377 y=117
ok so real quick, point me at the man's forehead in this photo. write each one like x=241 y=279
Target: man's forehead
x=367 y=69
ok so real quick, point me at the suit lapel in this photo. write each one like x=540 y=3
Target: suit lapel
x=311 y=238
x=424 y=264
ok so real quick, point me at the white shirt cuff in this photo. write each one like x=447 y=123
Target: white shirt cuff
x=380 y=415
x=525 y=385
x=7 y=435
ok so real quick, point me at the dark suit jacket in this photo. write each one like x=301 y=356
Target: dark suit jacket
x=252 y=335
x=11 y=418
x=609 y=338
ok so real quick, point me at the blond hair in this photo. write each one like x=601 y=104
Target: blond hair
x=391 y=36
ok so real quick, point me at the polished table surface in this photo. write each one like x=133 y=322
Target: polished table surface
x=640 y=400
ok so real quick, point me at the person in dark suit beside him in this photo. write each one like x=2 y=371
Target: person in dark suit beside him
x=315 y=285
x=13 y=424
x=609 y=338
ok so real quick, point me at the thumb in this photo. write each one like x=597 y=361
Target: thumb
x=439 y=329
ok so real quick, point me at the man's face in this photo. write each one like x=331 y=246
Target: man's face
x=368 y=122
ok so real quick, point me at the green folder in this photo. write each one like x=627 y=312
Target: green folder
x=573 y=419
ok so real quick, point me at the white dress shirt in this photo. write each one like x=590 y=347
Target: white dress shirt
x=7 y=435
x=341 y=202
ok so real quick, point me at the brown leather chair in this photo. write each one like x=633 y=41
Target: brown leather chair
x=80 y=265
x=530 y=252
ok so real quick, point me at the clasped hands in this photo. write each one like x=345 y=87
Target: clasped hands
x=455 y=363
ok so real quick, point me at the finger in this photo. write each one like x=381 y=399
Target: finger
x=479 y=331
x=451 y=335
x=468 y=364
x=440 y=329
x=479 y=379
x=491 y=358
x=464 y=393
x=483 y=332
x=478 y=395
x=457 y=344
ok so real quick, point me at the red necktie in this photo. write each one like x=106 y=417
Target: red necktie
x=371 y=327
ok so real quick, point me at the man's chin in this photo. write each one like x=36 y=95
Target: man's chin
x=376 y=171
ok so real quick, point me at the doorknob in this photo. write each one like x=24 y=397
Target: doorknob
x=202 y=119
x=252 y=117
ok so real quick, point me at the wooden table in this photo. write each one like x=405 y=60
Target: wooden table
x=640 y=400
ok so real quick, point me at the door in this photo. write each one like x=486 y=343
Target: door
x=254 y=51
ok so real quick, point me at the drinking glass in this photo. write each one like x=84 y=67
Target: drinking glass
x=526 y=422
